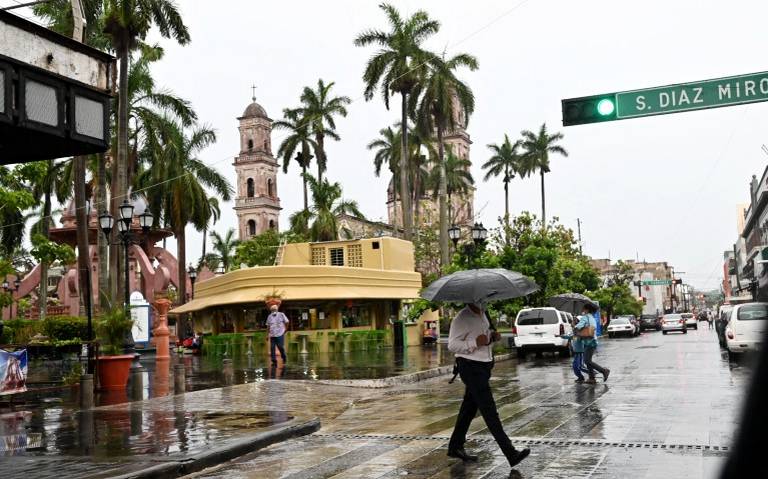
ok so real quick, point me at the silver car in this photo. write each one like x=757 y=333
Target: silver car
x=673 y=322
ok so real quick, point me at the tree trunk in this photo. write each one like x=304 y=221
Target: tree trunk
x=321 y=160
x=405 y=197
x=442 y=195
x=121 y=185
x=304 y=179
x=83 y=245
x=543 y=204
x=506 y=208
x=103 y=247
x=205 y=242
x=182 y=260
x=395 y=223
x=416 y=198
x=42 y=303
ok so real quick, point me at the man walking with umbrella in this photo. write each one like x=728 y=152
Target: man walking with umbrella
x=470 y=339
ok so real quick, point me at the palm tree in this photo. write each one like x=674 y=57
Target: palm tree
x=537 y=149
x=47 y=178
x=125 y=23
x=317 y=110
x=215 y=214
x=398 y=67
x=225 y=247
x=458 y=180
x=443 y=98
x=15 y=197
x=299 y=138
x=327 y=204
x=183 y=198
x=506 y=162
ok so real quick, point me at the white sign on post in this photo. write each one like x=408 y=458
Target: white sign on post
x=141 y=318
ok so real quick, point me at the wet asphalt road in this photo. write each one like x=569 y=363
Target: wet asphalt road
x=670 y=409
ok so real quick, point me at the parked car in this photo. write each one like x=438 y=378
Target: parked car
x=539 y=329
x=721 y=322
x=690 y=320
x=673 y=322
x=634 y=322
x=650 y=321
x=621 y=326
x=744 y=331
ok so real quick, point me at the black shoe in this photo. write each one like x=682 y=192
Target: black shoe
x=461 y=454
x=516 y=457
x=605 y=376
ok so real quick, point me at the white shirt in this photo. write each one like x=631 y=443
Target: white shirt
x=462 y=339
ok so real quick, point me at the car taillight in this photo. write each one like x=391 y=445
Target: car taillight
x=562 y=329
x=514 y=330
x=730 y=334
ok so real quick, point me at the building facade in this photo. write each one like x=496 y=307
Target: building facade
x=257 y=203
x=657 y=298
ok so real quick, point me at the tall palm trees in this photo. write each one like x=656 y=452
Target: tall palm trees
x=327 y=204
x=183 y=198
x=443 y=97
x=299 y=138
x=397 y=68
x=537 y=147
x=224 y=247
x=456 y=178
x=505 y=162
x=318 y=110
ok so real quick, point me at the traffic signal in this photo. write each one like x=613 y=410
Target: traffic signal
x=589 y=109
x=678 y=281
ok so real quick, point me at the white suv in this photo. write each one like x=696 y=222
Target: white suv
x=538 y=329
x=744 y=331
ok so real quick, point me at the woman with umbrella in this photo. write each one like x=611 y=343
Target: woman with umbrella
x=470 y=339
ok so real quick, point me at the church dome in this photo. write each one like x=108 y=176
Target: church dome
x=255 y=110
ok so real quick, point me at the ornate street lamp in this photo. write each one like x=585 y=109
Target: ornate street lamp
x=454 y=233
x=479 y=233
x=192 y=272
x=220 y=269
x=145 y=220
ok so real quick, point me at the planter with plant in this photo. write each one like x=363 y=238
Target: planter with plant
x=114 y=367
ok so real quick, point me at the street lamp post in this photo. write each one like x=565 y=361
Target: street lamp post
x=126 y=238
x=8 y=289
x=192 y=272
x=479 y=235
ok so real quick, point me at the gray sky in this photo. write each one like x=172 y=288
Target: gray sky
x=662 y=188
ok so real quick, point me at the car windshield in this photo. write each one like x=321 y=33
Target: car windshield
x=687 y=315
x=536 y=317
x=672 y=317
x=621 y=321
x=753 y=311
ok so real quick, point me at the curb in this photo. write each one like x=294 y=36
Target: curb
x=411 y=378
x=231 y=450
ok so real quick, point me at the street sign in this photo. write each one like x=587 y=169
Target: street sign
x=727 y=91
x=656 y=282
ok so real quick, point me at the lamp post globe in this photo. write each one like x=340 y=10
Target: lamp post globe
x=145 y=220
x=483 y=234
x=106 y=223
x=454 y=233
x=126 y=210
x=122 y=226
x=476 y=232
x=17 y=283
x=192 y=272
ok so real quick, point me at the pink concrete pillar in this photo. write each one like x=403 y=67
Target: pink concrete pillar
x=161 y=331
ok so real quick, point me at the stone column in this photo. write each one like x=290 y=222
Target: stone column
x=161 y=331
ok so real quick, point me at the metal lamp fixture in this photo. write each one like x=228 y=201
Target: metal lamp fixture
x=106 y=222
x=454 y=232
x=6 y=285
x=192 y=272
x=220 y=269
x=479 y=233
x=126 y=210
x=145 y=220
x=17 y=283
x=122 y=225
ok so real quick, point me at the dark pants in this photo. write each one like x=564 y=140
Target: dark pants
x=591 y=365
x=578 y=365
x=278 y=342
x=476 y=375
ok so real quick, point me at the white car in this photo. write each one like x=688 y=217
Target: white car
x=690 y=320
x=746 y=324
x=673 y=322
x=538 y=329
x=619 y=326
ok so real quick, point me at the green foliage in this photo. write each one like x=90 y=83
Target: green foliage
x=427 y=254
x=261 y=250
x=21 y=331
x=617 y=299
x=111 y=329
x=47 y=251
x=65 y=328
x=419 y=307
x=73 y=376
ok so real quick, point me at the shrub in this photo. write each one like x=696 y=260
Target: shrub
x=65 y=328
x=21 y=330
x=111 y=328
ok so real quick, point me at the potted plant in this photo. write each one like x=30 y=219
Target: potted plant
x=275 y=297
x=113 y=366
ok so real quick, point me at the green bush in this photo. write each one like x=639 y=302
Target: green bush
x=111 y=328
x=21 y=331
x=65 y=328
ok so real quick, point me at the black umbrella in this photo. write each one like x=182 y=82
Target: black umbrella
x=480 y=286
x=571 y=302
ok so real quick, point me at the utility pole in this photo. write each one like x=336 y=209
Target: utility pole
x=578 y=225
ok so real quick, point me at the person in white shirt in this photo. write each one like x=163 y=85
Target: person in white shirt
x=470 y=340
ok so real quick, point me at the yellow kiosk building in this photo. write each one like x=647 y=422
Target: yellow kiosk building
x=339 y=296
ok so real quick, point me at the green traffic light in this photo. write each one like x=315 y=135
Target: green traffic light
x=605 y=107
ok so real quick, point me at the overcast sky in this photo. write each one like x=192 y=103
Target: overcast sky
x=661 y=189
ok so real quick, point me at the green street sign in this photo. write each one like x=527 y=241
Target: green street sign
x=656 y=282
x=727 y=91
